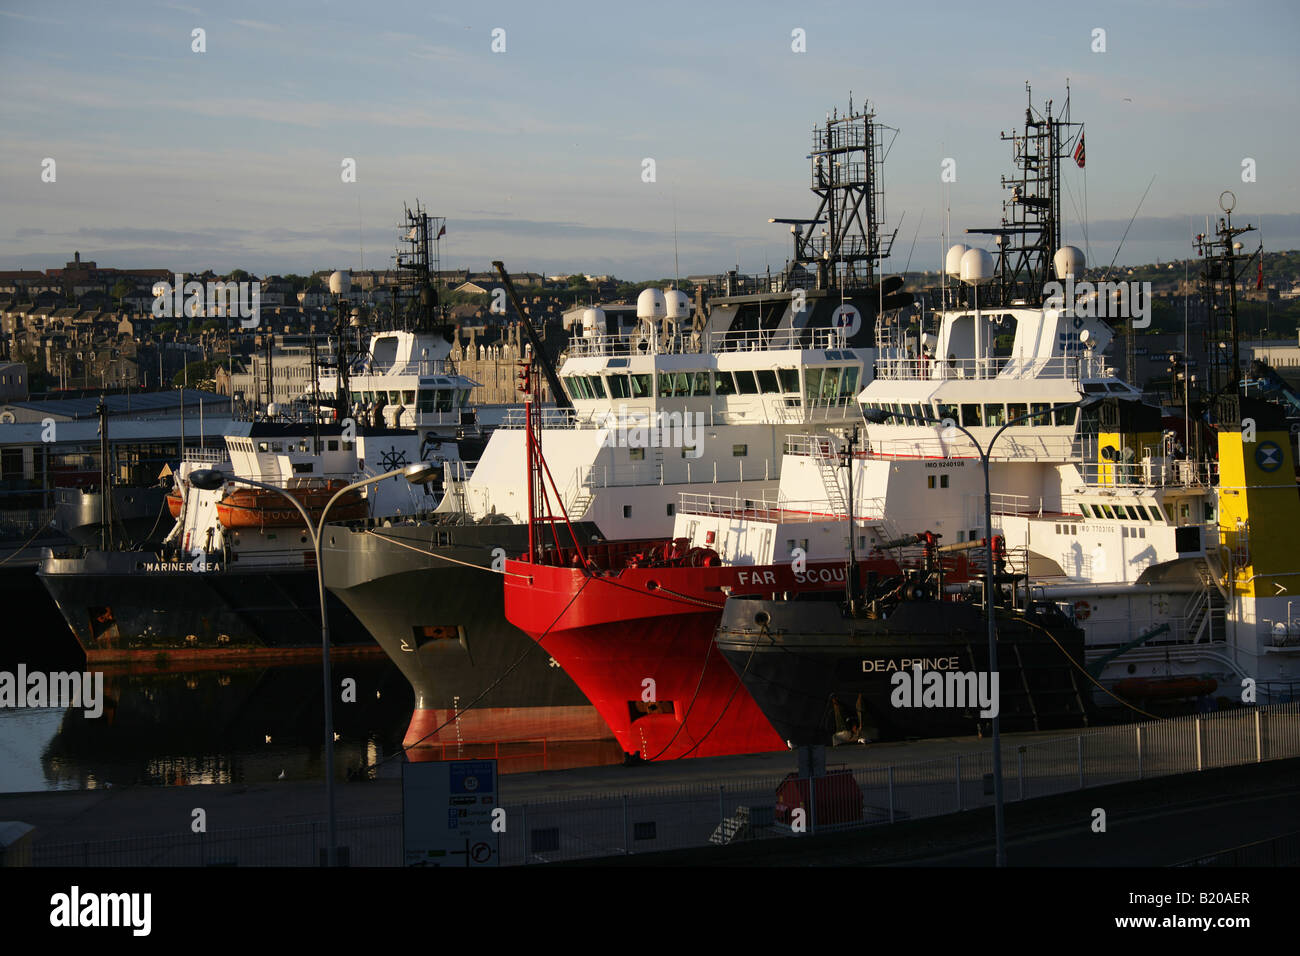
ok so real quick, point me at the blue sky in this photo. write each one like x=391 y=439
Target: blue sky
x=231 y=158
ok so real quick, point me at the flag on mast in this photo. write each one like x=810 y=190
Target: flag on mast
x=1078 y=152
x=1259 y=279
x=442 y=231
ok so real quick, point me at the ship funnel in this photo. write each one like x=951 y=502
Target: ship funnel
x=952 y=262
x=976 y=267
x=1068 y=261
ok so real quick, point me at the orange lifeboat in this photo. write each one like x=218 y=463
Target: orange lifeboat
x=257 y=508
x=174 y=503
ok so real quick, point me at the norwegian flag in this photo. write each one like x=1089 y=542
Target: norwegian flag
x=1078 y=152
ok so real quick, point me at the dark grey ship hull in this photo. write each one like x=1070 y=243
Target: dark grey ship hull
x=812 y=670
x=441 y=619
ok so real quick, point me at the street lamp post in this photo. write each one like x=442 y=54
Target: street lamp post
x=879 y=416
x=418 y=473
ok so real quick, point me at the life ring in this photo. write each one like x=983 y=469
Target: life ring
x=1082 y=610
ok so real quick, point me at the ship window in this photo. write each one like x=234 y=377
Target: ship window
x=1133 y=513
x=636 y=454
x=943 y=481
x=767 y=381
x=1105 y=510
x=789 y=379
x=1042 y=413
x=627 y=511
x=408 y=396
x=961 y=536
x=443 y=398
x=812 y=378
x=723 y=384
x=929 y=481
x=618 y=386
x=739 y=451
x=1064 y=414
x=597 y=386
x=1169 y=511
x=356 y=398
x=746 y=383
x=945 y=411
x=1017 y=410
x=1120 y=513
x=369 y=396
x=672 y=385
x=426 y=400
x=1087 y=511
x=263 y=447
x=332 y=444
x=849 y=381
x=701 y=383
x=642 y=386
x=919 y=414
x=970 y=415
x=672 y=509
x=995 y=414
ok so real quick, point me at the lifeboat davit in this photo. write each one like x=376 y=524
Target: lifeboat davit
x=258 y=508
x=1155 y=688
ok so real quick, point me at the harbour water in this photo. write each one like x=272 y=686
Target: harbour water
x=165 y=726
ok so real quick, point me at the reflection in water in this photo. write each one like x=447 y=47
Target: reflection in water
x=221 y=724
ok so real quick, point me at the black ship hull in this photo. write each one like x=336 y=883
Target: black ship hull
x=821 y=678
x=125 y=604
x=441 y=619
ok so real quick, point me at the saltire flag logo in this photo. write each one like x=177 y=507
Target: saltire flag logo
x=1078 y=152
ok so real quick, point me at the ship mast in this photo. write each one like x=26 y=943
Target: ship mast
x=417 y=306
x=847 y=162
x=1219 y=277
x=1030 y=233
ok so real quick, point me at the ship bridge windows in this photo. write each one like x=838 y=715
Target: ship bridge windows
x=641 y=386
x=674 y=384
x=1042 y=412
x=618 y=386
x=1064 y=414
x=767 y=382
x=995 y=414
x=1018 y=410
x=789 y=380
x=408 y=396
x=723 y=384
x=971 y=415
x=701 y=383
x=945 y=412
x=849 y=382
x=746 y=383
x=443 y=399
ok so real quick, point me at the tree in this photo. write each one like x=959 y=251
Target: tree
x=238 y=275
x=121 y=289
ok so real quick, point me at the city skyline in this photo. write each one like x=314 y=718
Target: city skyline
x=232 y=157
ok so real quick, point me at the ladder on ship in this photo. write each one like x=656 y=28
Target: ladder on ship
x=827 y=459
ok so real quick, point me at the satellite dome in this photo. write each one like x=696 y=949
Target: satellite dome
x=952 y=261
x=593 y=322
x=1068 y=261
x=650 y=304
x=677 y=303
x=340 y=282
x=976 y=267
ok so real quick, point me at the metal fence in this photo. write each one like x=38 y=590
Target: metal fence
x=698 y=815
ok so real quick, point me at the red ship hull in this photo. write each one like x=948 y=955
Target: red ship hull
x=639 y=643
